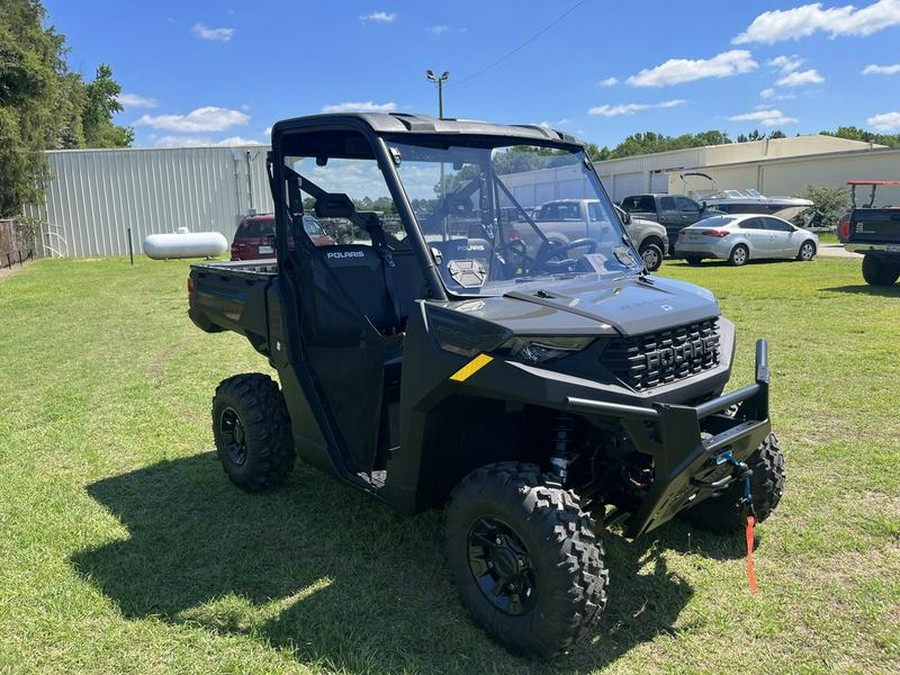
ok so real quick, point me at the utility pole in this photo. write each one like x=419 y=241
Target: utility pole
x=439 y=81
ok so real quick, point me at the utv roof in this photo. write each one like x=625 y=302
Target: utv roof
x=409 y=123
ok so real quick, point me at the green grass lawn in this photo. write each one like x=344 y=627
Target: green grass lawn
x=125 y=549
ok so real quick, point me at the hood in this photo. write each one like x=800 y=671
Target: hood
x=629 y=305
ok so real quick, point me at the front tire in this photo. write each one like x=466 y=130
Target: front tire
x=807 y=251
x=726 y=512
x=652 y=256
x=693 y=260
x=525 y=559
x=877 y=273
x=252 y=432
x=740 y=254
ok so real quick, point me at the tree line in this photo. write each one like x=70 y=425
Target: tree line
x=44 y=105
x=651 y=142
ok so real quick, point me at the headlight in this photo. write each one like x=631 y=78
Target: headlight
x=465 y=335
x=536 y=349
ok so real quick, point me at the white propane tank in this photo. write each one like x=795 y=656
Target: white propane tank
x=185 y=244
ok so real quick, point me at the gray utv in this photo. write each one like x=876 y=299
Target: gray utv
x=452 y=355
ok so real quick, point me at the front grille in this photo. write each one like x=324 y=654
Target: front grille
x=650 y=360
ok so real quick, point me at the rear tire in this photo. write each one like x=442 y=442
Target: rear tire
x=652 y=256
x=740 y=254
x=253 y=432
x=726 y=512
x=807 y=251
x=693 y=260
x=525 y=559
x=877 y=273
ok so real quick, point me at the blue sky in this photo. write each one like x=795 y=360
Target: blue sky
x=206 y=72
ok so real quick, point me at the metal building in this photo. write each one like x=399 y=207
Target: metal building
x=781 y=166
x=94 y=196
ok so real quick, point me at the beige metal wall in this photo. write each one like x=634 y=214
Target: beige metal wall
x=789 y=176
x=94 y=196
x=738 y=164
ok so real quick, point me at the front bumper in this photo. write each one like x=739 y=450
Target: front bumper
x=685 y=441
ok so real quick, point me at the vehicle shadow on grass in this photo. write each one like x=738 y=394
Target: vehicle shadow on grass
x=866 y=289
x=337 y=578
x=716 y=262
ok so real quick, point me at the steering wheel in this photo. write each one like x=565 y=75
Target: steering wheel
x=514 y=256
x=553 y=256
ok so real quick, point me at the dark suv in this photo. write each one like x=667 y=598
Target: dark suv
x=255 y=237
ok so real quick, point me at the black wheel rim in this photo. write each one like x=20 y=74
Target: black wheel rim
x=501 y=566
x=232 y=433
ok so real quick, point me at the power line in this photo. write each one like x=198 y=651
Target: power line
x=521 y=46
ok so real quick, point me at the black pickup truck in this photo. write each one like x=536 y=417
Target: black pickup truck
x=674 y=212
x=530 y=391
x=874 y=232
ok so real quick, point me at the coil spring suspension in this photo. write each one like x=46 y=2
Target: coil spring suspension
x=562 y=436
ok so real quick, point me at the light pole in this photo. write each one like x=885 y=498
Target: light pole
x=439 y=80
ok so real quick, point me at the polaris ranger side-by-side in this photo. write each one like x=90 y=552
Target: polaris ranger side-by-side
x=535 y=393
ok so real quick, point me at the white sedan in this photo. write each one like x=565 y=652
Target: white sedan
x=739 y=238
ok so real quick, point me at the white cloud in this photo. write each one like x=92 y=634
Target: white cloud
x=360 y=106
x=886 y=122
x=769 y=118
x=213 y=34
x=786 y=64
x=199 y=141
x=676 y=71
x=793 y=24
x=631 y=108
x=609 y=82
x=267 y=131
x=135 y=101
x=772 y=95
x=238 y=140
x=208 y=118
x=379 y=17
x=882 y=70
x=554 y=125
x=438 y=29
x=182 y=141
x=798 y=79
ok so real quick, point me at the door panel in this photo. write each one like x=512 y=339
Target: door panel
x=782 y=238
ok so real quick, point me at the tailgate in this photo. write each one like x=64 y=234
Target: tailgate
x=875 y=226
x=231 y=296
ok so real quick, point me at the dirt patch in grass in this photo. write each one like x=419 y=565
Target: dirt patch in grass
x=9 y=271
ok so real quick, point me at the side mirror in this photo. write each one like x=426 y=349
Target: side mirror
x=626 y=218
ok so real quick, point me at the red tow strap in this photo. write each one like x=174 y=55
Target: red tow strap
x=751 y=521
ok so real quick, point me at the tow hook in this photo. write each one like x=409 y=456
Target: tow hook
x=741 y=472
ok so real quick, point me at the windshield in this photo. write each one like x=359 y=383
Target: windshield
x=495 y=216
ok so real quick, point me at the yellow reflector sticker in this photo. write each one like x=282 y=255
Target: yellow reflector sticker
x=471 y=368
